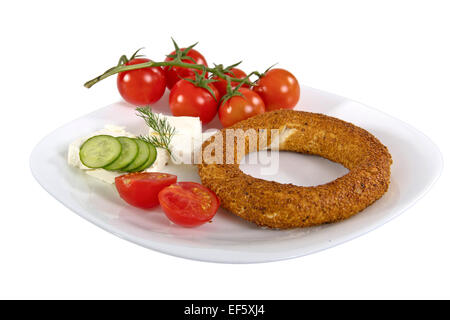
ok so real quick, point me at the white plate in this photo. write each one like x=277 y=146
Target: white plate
x=229 y=239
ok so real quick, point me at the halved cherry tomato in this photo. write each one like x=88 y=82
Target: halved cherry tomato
x=186 y=99
x=188 y=204
x=221 y=84
x=140 y=189
x=279 y=89
x=174 y=74
x=239 y=108
x=141 y=86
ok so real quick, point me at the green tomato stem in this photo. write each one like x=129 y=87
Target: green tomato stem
x=173 y=63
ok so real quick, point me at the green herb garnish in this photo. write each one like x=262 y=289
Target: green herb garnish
x=163 y=130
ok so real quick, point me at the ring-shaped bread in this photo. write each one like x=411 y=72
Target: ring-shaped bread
x=277 y=205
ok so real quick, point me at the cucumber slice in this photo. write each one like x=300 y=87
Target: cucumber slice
x=99 y=151
x=150 y=160
x=142 y=157
x=129 y=153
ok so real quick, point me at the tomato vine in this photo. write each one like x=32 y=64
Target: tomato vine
x=178 y=57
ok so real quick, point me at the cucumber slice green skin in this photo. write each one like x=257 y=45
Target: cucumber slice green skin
x=129 y=153
x=100 y=151
x=142 y=157
x=150 y=160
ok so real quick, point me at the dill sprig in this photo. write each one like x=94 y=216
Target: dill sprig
x=164 y=131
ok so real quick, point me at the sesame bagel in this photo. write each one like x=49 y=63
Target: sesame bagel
x=277 y=205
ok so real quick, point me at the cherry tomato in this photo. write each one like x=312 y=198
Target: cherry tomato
x=239 y=108
x=174 y=74
x=279 y=89
x=141 y=86
x=188 y=100
x=188 y=204
x=221 y=84
x=140 y=189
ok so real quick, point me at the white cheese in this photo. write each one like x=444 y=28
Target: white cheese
x=104 y=175
x=187 y=137
x=162 y=159
x=73 y=155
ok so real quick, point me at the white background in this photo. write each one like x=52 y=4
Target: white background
x=392 y=55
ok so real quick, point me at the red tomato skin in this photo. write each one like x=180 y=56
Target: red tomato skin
x=141 y=189
x=221 y=84
x=188 y=100
x=181 y=204
x=279 y=89
x=141 y=86
x=239 y=108
x=174 y=74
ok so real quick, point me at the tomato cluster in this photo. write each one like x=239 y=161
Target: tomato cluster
x=275 y=89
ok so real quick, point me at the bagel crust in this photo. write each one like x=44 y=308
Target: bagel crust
x=277 y=205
